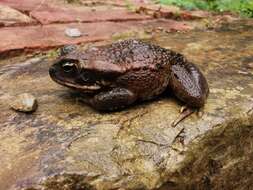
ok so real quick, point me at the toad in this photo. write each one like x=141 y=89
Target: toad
x=117 y=75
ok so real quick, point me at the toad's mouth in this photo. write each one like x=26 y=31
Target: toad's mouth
x=90 y=88
x=86 y=88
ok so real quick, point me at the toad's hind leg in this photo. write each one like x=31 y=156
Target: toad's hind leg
x=189 y=85
x=114 y=99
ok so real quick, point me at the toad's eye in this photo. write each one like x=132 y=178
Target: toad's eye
x=68 y=67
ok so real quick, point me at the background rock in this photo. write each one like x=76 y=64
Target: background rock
x=12 y=17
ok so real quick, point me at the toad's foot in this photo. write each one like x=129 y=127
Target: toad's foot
x=184 y=112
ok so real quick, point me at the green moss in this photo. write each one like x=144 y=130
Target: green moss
x=244 y=7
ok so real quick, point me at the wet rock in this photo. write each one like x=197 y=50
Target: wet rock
x=73 y=32
x=24 y=103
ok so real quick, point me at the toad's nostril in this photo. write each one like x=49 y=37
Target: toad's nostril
x=52 y=71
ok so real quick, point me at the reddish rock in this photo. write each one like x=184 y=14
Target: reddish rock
x=50 y=12
x=170 y=12
x=67 y=15
x=160 y=25
x=117 y=3
x=12 y=17
x=26 y=5
x=44 y=37
x=49 y=36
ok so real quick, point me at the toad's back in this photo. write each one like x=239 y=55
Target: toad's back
x=134 y=53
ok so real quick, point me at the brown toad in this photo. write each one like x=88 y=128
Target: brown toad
x=117 y=75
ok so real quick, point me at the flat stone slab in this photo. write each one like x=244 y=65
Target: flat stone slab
x=49 y=36
x=47 y=12
x=117 y=3
x=12 y=17
x=68 y=15
x=67 y=143
x=170 y=12
x=27 y=5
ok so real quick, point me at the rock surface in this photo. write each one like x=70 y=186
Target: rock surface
x=67 y=143
x=12 y=17
x=49 y=36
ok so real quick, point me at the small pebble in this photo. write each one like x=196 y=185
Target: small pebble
x=73 y=32
x=24 y=103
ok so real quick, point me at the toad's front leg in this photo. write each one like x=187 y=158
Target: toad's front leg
x=114 y=99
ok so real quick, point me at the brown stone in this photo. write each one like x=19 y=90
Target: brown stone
x=170 y=12
x=118 y=3
x=25 y=5
x=49 y=36
x=48 y=12
x=67 y=15
x=44 y=37
x=12 y=17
